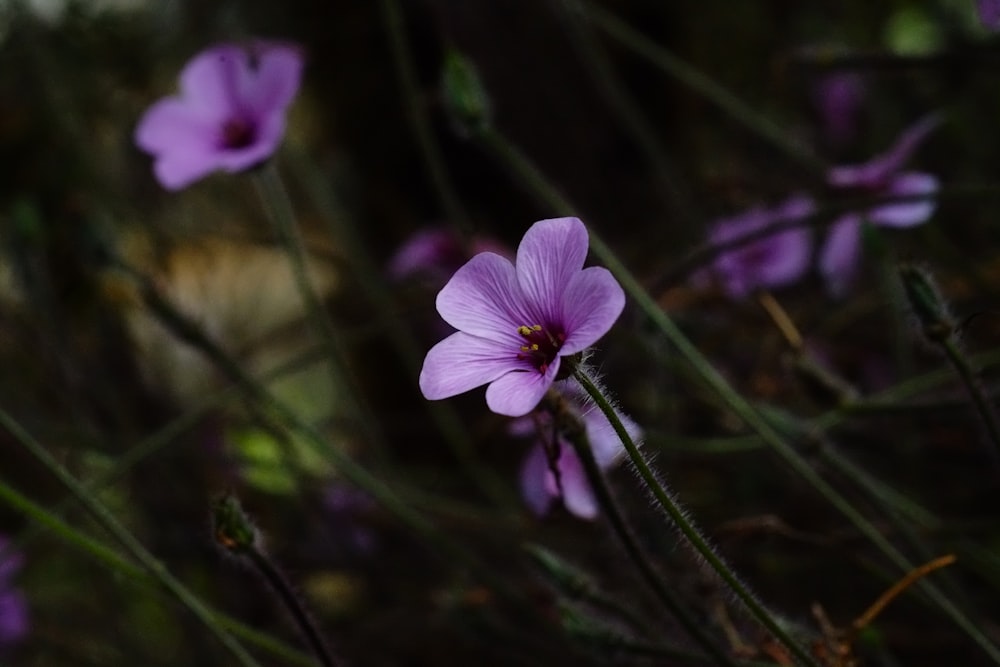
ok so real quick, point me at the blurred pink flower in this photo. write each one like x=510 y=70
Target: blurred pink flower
x=517 y=321
x=230 y=113
x=881 y=176
x=838 y=96
x=14 y=624
x=989 y=13
x=438 y=251
x=775 y=260
x=539 y=485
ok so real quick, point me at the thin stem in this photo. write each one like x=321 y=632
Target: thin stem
x=628 y=540
x=281 y=586
x=278 y=206
x=104 y=516
x=701 y=84
x=968 y=376
x=693 y=536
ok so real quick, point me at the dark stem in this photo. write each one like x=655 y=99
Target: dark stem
x=281 y=586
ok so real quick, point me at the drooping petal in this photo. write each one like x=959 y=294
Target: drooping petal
x=550 y=254
x=790 y=255
x=270 y=77
x=462 y=362
x=483 y=299
x=591 y=303
x=533 y=487
x=873 y=174
x=839 y=257
x=906 y=214
x=518 y=393
x=604 y=440
x=578 y=496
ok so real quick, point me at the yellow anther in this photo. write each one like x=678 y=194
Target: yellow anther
x=537 y=327
x=534 y=347
x=523 y=330
x=524 y=348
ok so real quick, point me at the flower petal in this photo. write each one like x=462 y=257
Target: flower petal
x=210 y=80
x=906 y=214
x=483 y=299
x=591 y=303
x=838 y=259
x=604 y=440
x=873 y=173
x=270 y=75
x=171 y=125
x=518 y=393
x=578 y=496
x=462 y=362
x=549 y=256
x=533 y=473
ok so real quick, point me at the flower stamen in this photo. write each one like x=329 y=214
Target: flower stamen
x=542 y=345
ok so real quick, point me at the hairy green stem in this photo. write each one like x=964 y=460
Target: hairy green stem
x=692 y=534
x=628 y=540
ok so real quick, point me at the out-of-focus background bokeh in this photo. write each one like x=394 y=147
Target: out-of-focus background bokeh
x=651 y=121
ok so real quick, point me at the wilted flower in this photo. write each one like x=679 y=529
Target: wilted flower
x=230 y=113
x=881 y=176
x=13 y=606
x=838 y=96
x=438 y=251
x=539 y=483
x=774 y=260
x=516 y=322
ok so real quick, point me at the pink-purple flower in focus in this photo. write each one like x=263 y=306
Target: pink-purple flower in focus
x=518 y=322
x=438 y=252
x=13 y=606
x=989 y=13
x=774 y=260
x=881 y=176
x=540 y=485
x=230 y=114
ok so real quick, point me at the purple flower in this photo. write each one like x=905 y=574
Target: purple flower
x=838 y=96
x=989 y=13
x=539 y=484
x=516 y=322
x=773 y=261
x=881 y=176
x=438 y=251
x=13 y=606
x=230 y=114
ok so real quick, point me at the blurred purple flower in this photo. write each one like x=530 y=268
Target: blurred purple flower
x=13 y=606
x=230 y=113
x=989 y=13
x=881 y=176
x=773 y=261
x=517 y=321
x=438 y=251
x=346 y=506
x=838 y=97
x=539 y=484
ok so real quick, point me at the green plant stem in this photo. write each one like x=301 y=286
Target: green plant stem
x=521 y=166
x=968 y=377
x=278 y=206
x=46 y=519
x=635 y=553
x=691 y=534
x=280 y=585
x=415 y=107
x=701 y=84
x=139 y=552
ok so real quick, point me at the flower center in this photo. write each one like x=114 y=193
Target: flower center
x=238 y=133
x=541 y=345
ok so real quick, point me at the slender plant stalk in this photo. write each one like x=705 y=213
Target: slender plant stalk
x=635 y=553
x=968 y=376
x=281 y=586
x=692 y=534
x=104 y=516
x=520 y=165
x=701 y=84
x=47 y=519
